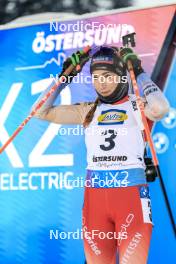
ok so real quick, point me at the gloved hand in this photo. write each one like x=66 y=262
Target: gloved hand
x=128 y=54
x=150 y=170
x=78 y=60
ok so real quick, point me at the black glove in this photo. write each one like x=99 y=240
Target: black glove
x=77 y=59
x=150 y=170
x=128 y=54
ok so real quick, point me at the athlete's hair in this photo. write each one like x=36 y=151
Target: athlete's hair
x=90 y=114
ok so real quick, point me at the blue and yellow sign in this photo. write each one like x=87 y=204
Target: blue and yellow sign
x=112 y=117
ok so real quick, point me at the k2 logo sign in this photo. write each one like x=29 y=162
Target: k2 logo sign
x=36 y=157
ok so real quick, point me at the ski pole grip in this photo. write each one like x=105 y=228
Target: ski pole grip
x=85 y=50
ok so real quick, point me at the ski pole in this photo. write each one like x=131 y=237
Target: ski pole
x=126 y=41
x=39 y=105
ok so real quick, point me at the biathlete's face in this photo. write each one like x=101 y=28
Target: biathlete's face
x=105 y=82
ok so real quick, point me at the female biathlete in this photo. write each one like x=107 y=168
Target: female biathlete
x=116 y=200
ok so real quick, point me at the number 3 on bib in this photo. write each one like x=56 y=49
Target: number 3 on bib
x=109 y=140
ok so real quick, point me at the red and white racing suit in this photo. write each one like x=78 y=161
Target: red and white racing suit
x=117 y=221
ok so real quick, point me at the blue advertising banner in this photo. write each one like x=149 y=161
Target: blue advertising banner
x=164 y=137
x=38 y=170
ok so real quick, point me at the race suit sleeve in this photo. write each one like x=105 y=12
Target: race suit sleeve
x=61 y=114
x=156 y=104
